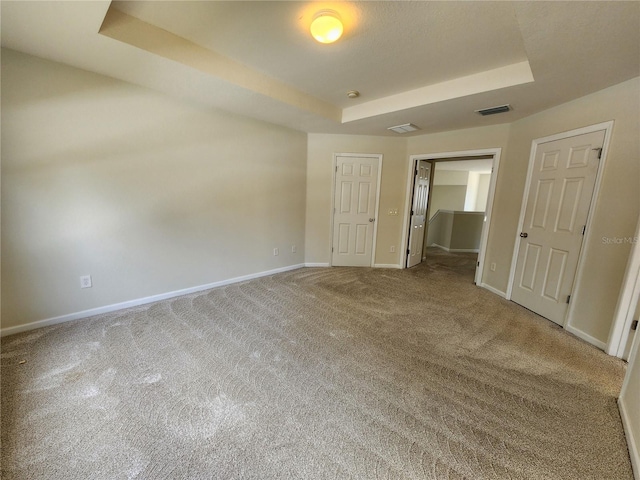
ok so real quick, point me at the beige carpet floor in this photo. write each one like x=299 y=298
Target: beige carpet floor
x=314 y=374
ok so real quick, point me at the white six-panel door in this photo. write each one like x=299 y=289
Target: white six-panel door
x=355 y=200
x=418 y=213
x=560 y=191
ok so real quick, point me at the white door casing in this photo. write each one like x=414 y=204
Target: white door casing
x=418 y=213
x=496 y=154
x=559 y=192
x=620 y=336
x=631 y=335
x=355 y=209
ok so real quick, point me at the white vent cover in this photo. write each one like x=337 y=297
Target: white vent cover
x=404 y=128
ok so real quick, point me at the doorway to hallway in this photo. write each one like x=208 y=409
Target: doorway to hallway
x=417 y=251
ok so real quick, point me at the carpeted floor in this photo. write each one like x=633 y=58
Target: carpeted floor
x=312 y=374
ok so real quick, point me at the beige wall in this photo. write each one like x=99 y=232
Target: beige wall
x=614 y=215
x=440 y=228
x=321 y=148
x=150 y=195
x=456 y=230
x=447 y=197
x=467 y=229
x=450 y=177
x=147 y=194
x=483 y=191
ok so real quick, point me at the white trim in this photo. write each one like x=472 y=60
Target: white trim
x=492 y=289
x=496 y=152
x=387 y=265
x=633 y=444
x=139 y=301
x=315 y=265
x=456 y=212
x=333 y=200
x=484 y=237
x=607 y=127
x=455 y=250
x=627 y=302
x=585 y=336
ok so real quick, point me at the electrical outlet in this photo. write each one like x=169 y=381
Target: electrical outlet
x=276 y=252
x=294 y=249
x=393 y=211
x=392 y=249
x=85 y=281
x=493 y=266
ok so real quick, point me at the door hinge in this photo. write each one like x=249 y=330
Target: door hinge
x=478 y=264
x=599 y=149
x=568 y=298
x=584 y=229
x=331 y=249
x=634 y=325
x=336 y=168
x=408 y=251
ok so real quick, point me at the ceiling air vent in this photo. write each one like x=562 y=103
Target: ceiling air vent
x=493 y=110
x=404 y=128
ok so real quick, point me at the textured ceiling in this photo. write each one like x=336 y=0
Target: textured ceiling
x=273 y=38
x=428 y=63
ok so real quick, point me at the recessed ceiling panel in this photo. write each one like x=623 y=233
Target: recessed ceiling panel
x=403 y=45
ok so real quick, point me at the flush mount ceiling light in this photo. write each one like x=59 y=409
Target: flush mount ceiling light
x=404 y=128
x=326 y=26
x=353 y=94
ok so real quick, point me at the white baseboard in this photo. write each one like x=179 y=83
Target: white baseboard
x=456 y=250
x=386 y=265
x=586 y=337
x=139 y=301
x=316 y=265
x=632 y=441
x=493 y=290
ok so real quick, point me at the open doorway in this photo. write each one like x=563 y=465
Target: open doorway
x=476 y=191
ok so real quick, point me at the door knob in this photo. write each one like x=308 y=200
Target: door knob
x=524 y=235
x=372 y=219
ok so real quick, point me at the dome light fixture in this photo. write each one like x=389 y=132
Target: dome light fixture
x=326 y=26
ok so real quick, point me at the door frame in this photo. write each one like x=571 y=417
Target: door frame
x=413 y=159
x=334 y=168
x=627 y=301
x=607 y=127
